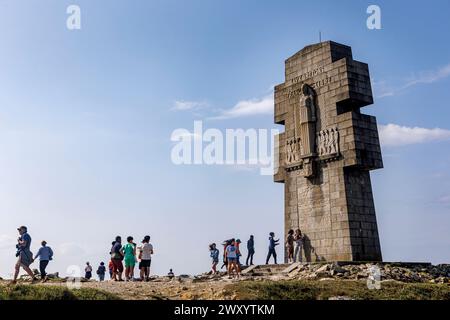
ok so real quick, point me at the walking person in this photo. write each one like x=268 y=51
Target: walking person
x=290 y=246
x=298 y=244
x=250 y=251
x=101 y=271
x=129 y=254
x=23 y=254
x=214 y=254
x=88 y=271
x=231 y=254
x=272 y=244
x=145 y=256
x=116 y=259
x=45 y=254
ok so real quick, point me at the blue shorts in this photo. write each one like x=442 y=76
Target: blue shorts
x=232 y=259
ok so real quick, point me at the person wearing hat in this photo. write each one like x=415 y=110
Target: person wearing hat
x=24 y=254
x=145 y=254
x=45 y=254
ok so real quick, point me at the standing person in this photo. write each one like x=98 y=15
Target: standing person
x=272 y=244
x=250 y=250
x=101 y=271
x=129 y=253
x=290 y=246
x=111 y=269
x=225 y=244
x=232 y=259
x=171 y=274
x=214 y=254
x=238 y=253
x=45 y=254
x=23 y=254
x=145 y=255
x=88 y=271
x=298 y=244
x=116 y=258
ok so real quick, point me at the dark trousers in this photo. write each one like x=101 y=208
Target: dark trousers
x=42 y=266
x=250 y=258
x=273 y=253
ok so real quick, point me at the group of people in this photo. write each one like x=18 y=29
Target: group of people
x=232 y=252
x=129 y=254
x=125 y=257
x=294 y=245
x=121 y=255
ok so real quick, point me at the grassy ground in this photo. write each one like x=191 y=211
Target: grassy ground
x=241 y=290
x=322 y=290
x=39 y=292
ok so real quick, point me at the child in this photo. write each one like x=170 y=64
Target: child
x=129 y=253
x=214 y=254
x=111 y=269
x=101 y=271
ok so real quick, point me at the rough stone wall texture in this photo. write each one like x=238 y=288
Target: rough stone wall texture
x=334 y=208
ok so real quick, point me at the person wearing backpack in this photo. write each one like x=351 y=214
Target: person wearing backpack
x=116 y=259
x=101 y=271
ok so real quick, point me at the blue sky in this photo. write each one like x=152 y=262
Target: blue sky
x=86 y=118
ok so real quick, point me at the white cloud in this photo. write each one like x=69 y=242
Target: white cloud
x=383 y=89
x=395 y=135
x=250 y=107
x=428 y=76
x=71 y=249
x=182 y=105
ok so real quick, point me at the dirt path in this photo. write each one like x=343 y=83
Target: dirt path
x=174 y=289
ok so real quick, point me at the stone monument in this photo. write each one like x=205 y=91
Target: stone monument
x=326 y=152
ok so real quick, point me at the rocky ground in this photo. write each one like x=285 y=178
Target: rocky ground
x=350 y=277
